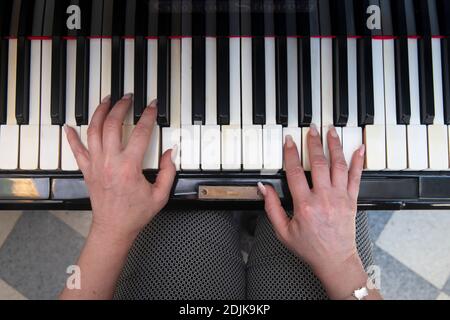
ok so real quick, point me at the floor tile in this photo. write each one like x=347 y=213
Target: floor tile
x=8 y=220
x=80 y=221
x=400 y=283
x=377 y=222
x=443 y=296
x=9 y=293
x=35 y=256
x=446 y=287
x=421 y=241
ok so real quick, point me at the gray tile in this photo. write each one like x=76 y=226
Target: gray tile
x=34 y=258
x=400 y=283
x=377 y=221
x=446 y=287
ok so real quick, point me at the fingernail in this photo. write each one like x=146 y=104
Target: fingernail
x=153 y=104
x=106 y=99
x=174 y=154
x=289 y=141
x=66 y=128
x=262 y=188
x=333 y=131
x=313 y=130
x=362 y=150
x=128 y=96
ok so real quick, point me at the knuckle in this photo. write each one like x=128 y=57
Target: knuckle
x=92 y=131
x=112 y=124
x=340 y=164
x=319 y=162
x=142 y=130
x=294 y=172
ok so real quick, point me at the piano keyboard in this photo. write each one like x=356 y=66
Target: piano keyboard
x=230 y=84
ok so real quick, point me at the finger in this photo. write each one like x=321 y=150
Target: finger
x=356 y=168
x=112 y=128
x=166 y=176
x=79 y=151
x=142 y=132
x=339 y=168
x=320 y=171
x=275 y=211
x=298 y=185
x=95 y=130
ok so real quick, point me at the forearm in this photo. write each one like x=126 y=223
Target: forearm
x=341 y=282
x=100 y=262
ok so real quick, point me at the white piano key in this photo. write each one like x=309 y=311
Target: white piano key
x=325 y=140
x=351 y=141
x=247 y=87
x=68 y=161
x=231 y=147
x=175 y=83
x=170 y=138
x=272 y=147
x=374 y=139
x=305 y=152
x=413 y=64
x=231 y=134
x=316 y=98
x=210 y=133
x=417 y=147
x=106 y=54
x=438 y=147
x=210 y=147
x=296 y=134
x=9 y=133
x=152 y=156
x=29 y=134
x=252 y=151
x=152 y=70
x=352 y=84
x=378 y=82
x=186 y=82
x=190 y=147
x=9 y=140
x=396 y=152
x=50 y=134
x=292 y=74
x=327 y=82
x=271 y=101
x=128 y=75
x=437 y=82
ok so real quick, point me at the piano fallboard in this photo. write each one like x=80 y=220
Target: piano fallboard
x=386 y=190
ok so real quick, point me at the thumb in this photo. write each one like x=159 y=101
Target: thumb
x=275 y=211
x=166 y=176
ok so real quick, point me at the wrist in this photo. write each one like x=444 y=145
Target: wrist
x=108 y=234
x=342 y=280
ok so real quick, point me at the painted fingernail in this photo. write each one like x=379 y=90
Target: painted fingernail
x=362 y=150
x=289 y=141
x=128 y=96
x=313 y=130
x=174 y=154
x=333 y=132
x=106 y=99
x=153 y=104
x=262 y=188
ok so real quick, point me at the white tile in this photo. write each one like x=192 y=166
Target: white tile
x=421 y=241
x=9 y=293
x=442 y=296
x=80 y=221
x=8 y=220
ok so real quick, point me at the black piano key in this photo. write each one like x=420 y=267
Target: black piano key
x=140 y=77
x=38 y=18
x=258 y=81
x=117 y=68
x=58 y=93
x=23 y=80
x=198 y=80
x=426 y=81
x=257 y=18
x=163 y=82
x=3 y=79
x=96 y=18
x=223 y=81
x=151 y=20
x=445 y=48
x=281 y=80
x=402 y=88
x=365 y=81
x=304 y=82
x=324 y=18
x=340 y=82
x=82 y=82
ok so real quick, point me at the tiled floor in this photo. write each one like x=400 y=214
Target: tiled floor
x=411 y=248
